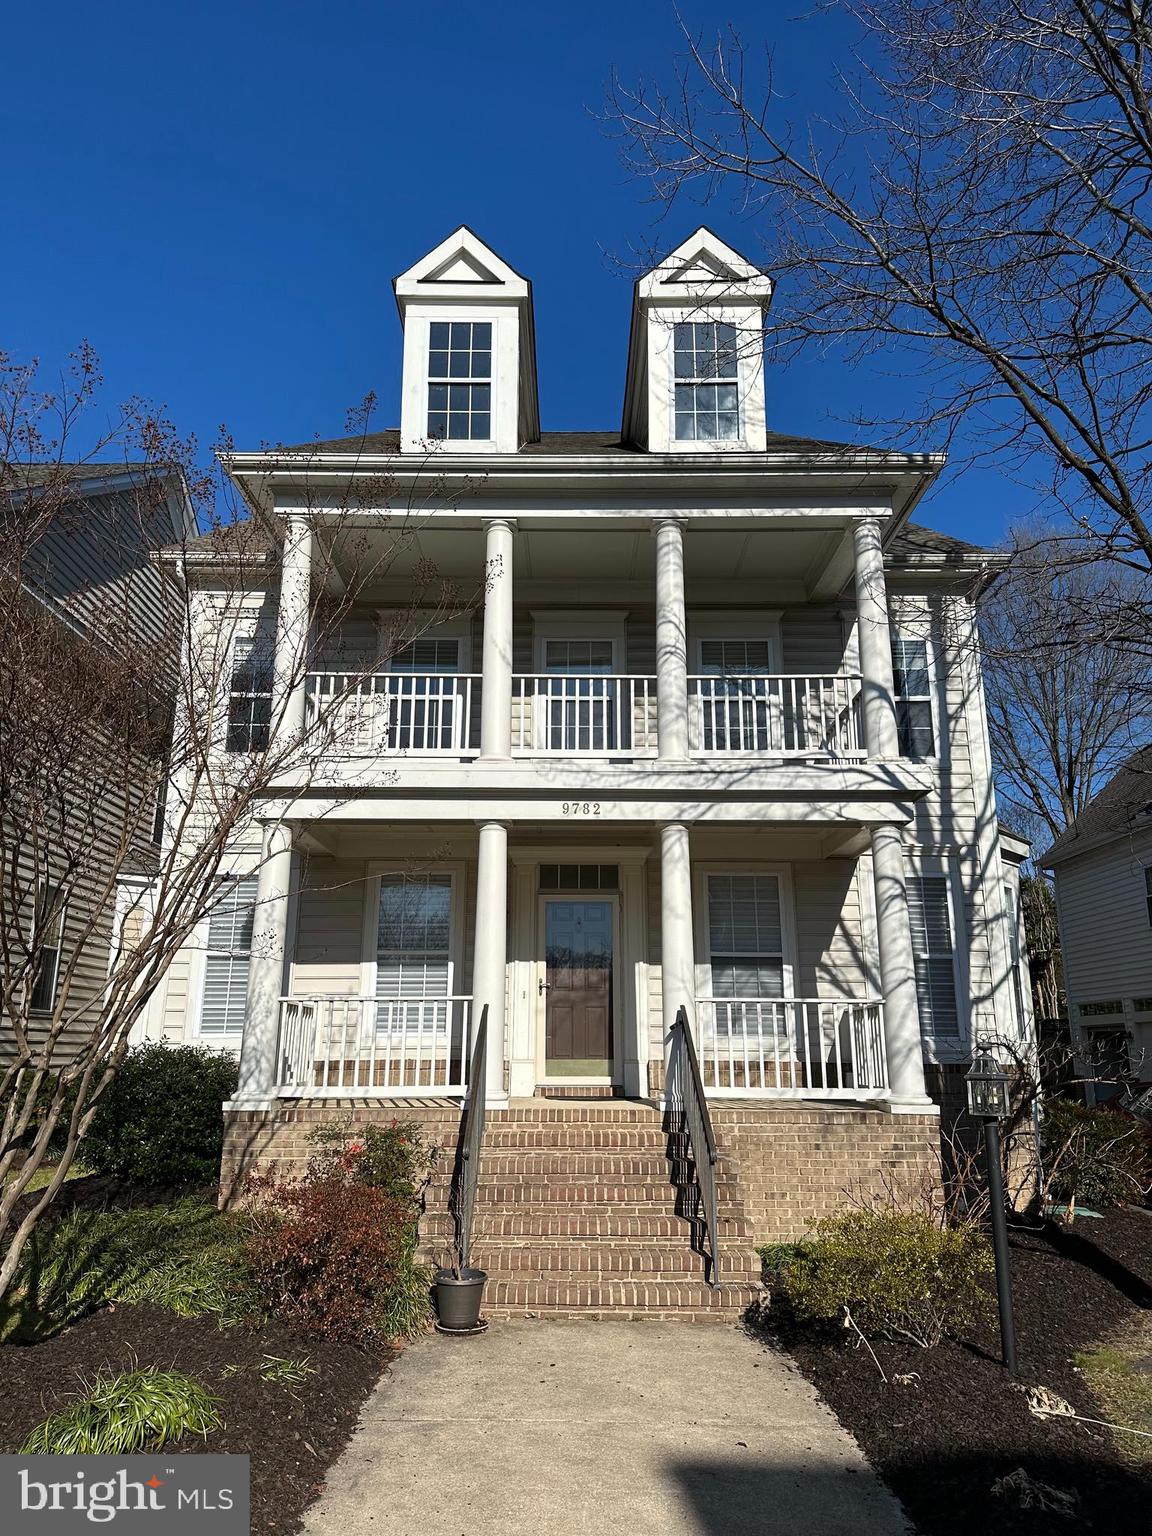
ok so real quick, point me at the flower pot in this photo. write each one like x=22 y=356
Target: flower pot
x=458 y=1300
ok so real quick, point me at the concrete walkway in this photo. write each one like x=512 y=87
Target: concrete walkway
x=566 y=1428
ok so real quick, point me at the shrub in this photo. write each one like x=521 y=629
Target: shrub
x=337 y=1257
x=187 y=1258
x=160 y=1122
x=124 y=1415
x=895 y=1274
x=394 y=1158
x=1093 y=1157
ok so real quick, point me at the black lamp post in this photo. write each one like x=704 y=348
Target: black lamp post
x=987 y=1084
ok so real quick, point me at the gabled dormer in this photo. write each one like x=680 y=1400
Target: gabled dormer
x=469 y=351
x=696 y=352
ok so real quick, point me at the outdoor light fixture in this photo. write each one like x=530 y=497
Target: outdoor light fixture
x=987 y=1084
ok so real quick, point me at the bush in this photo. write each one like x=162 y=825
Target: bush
x=895 y=1274
x=394 y=1158
x=1093 y=1157
x=336 y=1257
x=160 y=1121
x=187 y=1258
x=124 y=1415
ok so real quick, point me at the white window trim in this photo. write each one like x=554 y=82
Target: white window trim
x=918 y=863
x=783 y=873
x=390 y=620
x=421 y=325
x=579 y=624
x=735 y=624
x=455 y=871
x=905 y=624
x=750 y=375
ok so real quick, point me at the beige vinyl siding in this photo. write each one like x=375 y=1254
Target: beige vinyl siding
x=830 y=933
x=812 y=640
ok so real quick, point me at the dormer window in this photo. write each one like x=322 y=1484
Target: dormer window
x=707 y=381
x=460 y=379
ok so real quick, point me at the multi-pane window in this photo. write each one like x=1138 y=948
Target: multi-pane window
x=745 y=936
x=579 y=877
x=582 y=714
x=576 y=656
x=228 y=956
x=734 y=713
x=425 y=702
x=912 y=684
x=428 y=654
x=734 y=658
x=50 y=909
x=460 y=379
x=933 y=949
x=413 y=937
x=250 y=696
x=707 y=381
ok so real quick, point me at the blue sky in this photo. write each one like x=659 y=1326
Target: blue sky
x=219 y=195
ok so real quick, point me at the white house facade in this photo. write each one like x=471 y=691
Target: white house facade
x=710 y=737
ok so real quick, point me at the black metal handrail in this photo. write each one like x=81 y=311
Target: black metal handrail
x=471 y=1137
x=701 y=1137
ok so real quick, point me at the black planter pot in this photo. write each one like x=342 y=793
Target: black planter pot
x=458 y=1300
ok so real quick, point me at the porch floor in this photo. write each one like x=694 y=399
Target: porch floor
x=657 y=1429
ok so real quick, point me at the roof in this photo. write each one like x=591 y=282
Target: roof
x=26 y=475
x=1123 y=805
x=606 y=444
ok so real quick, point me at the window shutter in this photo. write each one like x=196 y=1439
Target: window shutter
x=934 y=951
x=227 y=960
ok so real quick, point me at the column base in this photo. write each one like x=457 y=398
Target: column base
x=251 y=1103
x=910 y=1107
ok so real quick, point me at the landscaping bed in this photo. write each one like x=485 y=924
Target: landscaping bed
x=293 y=1430
x=955 y=1426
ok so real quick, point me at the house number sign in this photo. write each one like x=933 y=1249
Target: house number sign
x=580 y=808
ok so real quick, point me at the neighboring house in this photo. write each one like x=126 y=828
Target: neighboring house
x=87 y=534
x=716 y=742
x=1102 y=867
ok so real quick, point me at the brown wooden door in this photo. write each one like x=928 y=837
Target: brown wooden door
x=578 y=956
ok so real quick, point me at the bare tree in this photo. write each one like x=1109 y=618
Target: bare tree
x=976 y=204
x=102 y=715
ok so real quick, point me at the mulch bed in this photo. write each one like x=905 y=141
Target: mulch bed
x=293 y=1434
x=943 y=1439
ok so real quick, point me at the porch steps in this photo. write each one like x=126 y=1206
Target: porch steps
x=587 y=1208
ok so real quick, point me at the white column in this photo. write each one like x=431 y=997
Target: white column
x=875 y=642
x=490 y=954
x=671 y=642
x=496 y=689
x=904 y=1052
x=292 y=624
x=677 y=943
x=266 y=970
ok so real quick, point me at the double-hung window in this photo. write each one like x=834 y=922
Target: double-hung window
x=707 y=381
x=413 y=951
x=583 y=699
x=250 y=696
x=1015 y=959
x=913 y=683
x=734 y=714
x=427 y=711
x=745 y=946
x=460 y=379
x=934 y=955
x=51 y=906
x=227 y=959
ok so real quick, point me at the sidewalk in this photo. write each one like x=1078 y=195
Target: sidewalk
x=649 y=1429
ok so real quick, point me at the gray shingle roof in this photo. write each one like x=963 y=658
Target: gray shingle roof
x=1124 y=804
x=596 y=444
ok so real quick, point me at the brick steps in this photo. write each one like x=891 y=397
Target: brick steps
x=607 y=1256
x=585 y=1225
x=616 y=1299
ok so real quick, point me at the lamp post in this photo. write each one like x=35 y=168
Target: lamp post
x=987 y=1084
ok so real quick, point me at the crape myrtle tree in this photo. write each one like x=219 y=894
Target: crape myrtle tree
x=974 y=203
x=115 y=699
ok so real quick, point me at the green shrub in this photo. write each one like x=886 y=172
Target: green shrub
x=124 y=1415
x=187 y=1257
x=394 y=1158
x=1093 y=1157
x=160 y=1123
x=895 y=1274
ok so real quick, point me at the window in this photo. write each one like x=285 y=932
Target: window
x=250 y=698
x=1142 y=1005
x=429 y=654
x=1102 y=1010
x=583 y=715
x=579 y=877
x=707 y=388
x=734 y=713
x=1016 y=971
x=460 y=379
x=930 y=917
x=229 y=953
x=1148 y=890
x=51 y=906
x=576 y=656
x=413 y=935
x=912 y=685
x=745 y=936
x=734 y=658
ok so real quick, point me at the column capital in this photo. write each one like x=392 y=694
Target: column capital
x=672 y=520
x=509 y=524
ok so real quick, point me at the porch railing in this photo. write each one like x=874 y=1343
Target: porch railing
x=792 y=1047
x=776 y=715
x=396 y=711
x=467 y=1171
x=688 y=1088
x=365 y=1046
x=591 y=714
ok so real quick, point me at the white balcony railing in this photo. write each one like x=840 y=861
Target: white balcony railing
x=776 y=715
x=592 y=714
x=351 y=1047
x=396 y=712
x=791 y=1047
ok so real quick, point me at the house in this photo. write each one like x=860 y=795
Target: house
x=1102 y=868
x=711 y=739
x=84 y=601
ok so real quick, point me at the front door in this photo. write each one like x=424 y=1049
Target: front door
x=578 y=981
